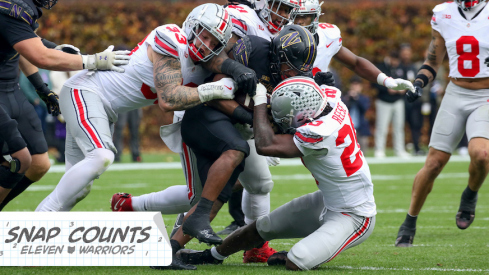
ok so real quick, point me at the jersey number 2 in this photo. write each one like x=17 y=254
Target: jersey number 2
x=468 y=56
x=349 y=166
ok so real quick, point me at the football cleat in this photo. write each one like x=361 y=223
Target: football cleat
x=178 y=223
x=121 y=202
x=200 y=228
x=405 y=236
x=176 y=264
x=258 y=255
x=466 y=213
x=279 y=258
x=196 y=257
x=229 y=229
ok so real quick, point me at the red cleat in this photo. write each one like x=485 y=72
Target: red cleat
x=121 y=202
x=258 y=255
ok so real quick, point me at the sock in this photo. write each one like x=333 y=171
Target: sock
x=410 y=221
x=468 y=194
x=172 y=200
x=216 y=254
x=17 y=190
x=175 y=246
x=204 y=207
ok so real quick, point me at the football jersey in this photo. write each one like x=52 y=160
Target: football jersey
x=467 y=41
x=247 y=22
x=333 y=156
x=135 y=87
x=329 y=43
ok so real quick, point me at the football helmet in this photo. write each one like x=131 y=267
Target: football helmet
x=297 y=101
x=213 y=18
x=294 y=46
x=469 y=4
x=268 y=7
x=310 y=7
x=47 y=4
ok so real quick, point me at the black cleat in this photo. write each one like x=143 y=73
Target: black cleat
x=405 y=236
x=196 y=257
x=200 y=228
x=466 y=212
x=279 y=258
x=176 y=264
x=229 y=229
x=178 y=223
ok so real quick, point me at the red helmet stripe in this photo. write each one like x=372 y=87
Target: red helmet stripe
x=295 y=80
x=224 y=22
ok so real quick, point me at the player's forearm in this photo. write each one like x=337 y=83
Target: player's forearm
x=58 y=61
x=215 y=63
x=177 y=98
x=262 y=129
x=366 y=70
x=225 y=106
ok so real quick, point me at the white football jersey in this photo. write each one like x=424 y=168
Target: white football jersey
x=332 y=154
x=467 y=41
x=135 y=87
x=247 y=22
x=329 y=43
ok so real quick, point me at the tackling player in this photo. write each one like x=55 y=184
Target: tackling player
x=459 y=27
x=317 y=127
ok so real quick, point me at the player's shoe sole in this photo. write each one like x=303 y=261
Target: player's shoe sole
x=196 y=257
x=466 y=213
x=279 y=258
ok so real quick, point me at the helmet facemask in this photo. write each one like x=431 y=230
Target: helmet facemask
x=310 y=8
x=47 y=4
x=273 y=7
x=469 y=4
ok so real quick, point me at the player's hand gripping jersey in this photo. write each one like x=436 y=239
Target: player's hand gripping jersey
x=329 y=43
x=467 y=41
x=135 y=88
x=333 y=156
x=246 y=22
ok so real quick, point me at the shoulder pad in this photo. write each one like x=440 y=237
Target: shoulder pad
x=168 y=39
x=239 y=9
x=441 y=7
x=240 y=28
x=242 y=50
x=331 y=31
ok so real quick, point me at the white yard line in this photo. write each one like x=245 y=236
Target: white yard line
x=410 y=269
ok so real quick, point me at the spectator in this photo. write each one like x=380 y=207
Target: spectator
x=358 y=104
x=133 y=120
x=390 y=107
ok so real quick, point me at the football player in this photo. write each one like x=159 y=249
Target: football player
x=459 y=28
x=316 y=127
x=328 y=37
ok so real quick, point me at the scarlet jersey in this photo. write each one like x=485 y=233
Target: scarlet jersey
x=135 y=87
x=333 y=156
x=467 y=41
x=329 y=43
x=247 y=22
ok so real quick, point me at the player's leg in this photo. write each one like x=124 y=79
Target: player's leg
x=382 y=120
x=398 y=119
x=134 y=120
x=447 y=132
x=210 y=133
x=88 y=122
x=119 y=134
x=478 y=135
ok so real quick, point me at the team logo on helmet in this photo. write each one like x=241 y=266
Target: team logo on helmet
x=290 y=39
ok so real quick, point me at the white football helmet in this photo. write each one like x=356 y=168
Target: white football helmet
x=213 y=18
x=269 y=6
x=310 y=7
x=297 y=101
x=469 y=4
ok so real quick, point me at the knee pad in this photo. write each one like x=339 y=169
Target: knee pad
x=101 y=158
x=10 y=134
x=262 y=187
x=8 y=179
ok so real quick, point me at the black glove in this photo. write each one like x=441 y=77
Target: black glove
x=418 y=91
x=324 y=78
x=50 y=98
x=244 y=76
x=487 y=62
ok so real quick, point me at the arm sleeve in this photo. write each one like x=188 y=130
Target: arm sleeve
x=16 y=31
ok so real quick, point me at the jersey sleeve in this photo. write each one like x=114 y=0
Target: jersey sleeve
x=16 y=31
x=437 y=17
x=332 y=33
x=309 y=141
x=240 y=28
x=165 y=40
x=242 y=50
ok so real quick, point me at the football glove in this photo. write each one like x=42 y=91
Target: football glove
x=50 y=98
x=394 y=84
x=261 y=95
x=222 y=89
x=413 y=95
x=324 y=78
x=244 y=76
x=273 y=161
x=106 y=60
x=67 y=48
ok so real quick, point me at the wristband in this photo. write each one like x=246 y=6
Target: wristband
x=429 y=68
x=36 y=80
x=381 y=79
x=424 y=78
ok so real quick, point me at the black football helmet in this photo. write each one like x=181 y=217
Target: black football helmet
x=47 y=4
x=294 y=46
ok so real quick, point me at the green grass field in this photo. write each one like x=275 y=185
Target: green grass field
x=440 y=247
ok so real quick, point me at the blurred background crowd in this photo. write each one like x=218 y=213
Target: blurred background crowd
x=392 y=34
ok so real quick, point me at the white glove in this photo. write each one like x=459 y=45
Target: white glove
x=261 y=95
x=106 y=60
x=67 y=48
x=273 y=161
x=397 y=84
x=221 y=89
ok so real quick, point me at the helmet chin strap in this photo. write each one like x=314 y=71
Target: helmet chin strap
x=473 y=11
